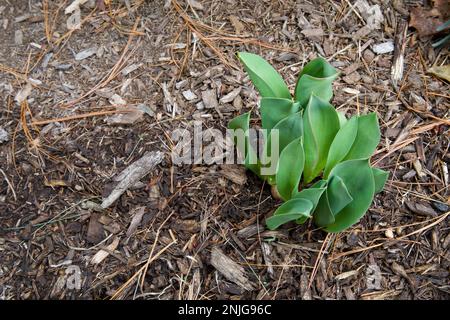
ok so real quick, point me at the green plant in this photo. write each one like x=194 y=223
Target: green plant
x=322 y=166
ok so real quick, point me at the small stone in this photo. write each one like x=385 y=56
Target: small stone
x=189 y=95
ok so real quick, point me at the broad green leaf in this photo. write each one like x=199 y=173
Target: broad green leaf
x=338 y=195
x=320 y=124
x=273 y=110
x=335 y=198
x=342 y=119
x=341 y=144
x=315 y=78
x=367 y=138
x=312 y=193
x=291 y=210
x=380 y=177
x=266 y=79
x=358 y=178
x=290 y=168
x=322 y=215
x=289 y=129
x=251 y=161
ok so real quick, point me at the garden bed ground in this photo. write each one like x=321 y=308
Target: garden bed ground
x=171 y=63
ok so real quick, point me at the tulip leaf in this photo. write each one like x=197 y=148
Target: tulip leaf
x=265 y=78
x=341 y=144
x=273 y=110
x=380 y=177
x=335 y=198
x=342 y=118
x=315 y=78
x=312 y=194
x=289 y=129
x=323 y=216
x=251 y=161
x=338 y=195
x=290 y=168
x=367 y=138
x=358 y=178
x=321 y=124
x=291 y=210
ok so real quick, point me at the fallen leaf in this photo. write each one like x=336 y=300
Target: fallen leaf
x=442 y=72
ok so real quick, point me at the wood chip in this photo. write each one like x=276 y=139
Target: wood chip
x=137 y=214
x=23 y=93
x=230 y=269
x=420 y=208
x=309 y=33
x=132 y=174
x=103 y=254
x=230 y=96
x=385 y=47
x=235 y=173
x=209 y=99
x=85 y=53
x=346 y=275
x=238 y=26
x=95 y=229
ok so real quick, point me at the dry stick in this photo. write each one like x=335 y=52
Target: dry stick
x=79 y=116
x=319 y=258
x=48 y=32
x=404 y=143
x=190 y=23
x=9 y=184
x=439 y=220
x=126 y=284
x=14 y=72
x=153 y=249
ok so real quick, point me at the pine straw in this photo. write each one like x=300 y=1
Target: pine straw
x=199 y=29
x=432 y=222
